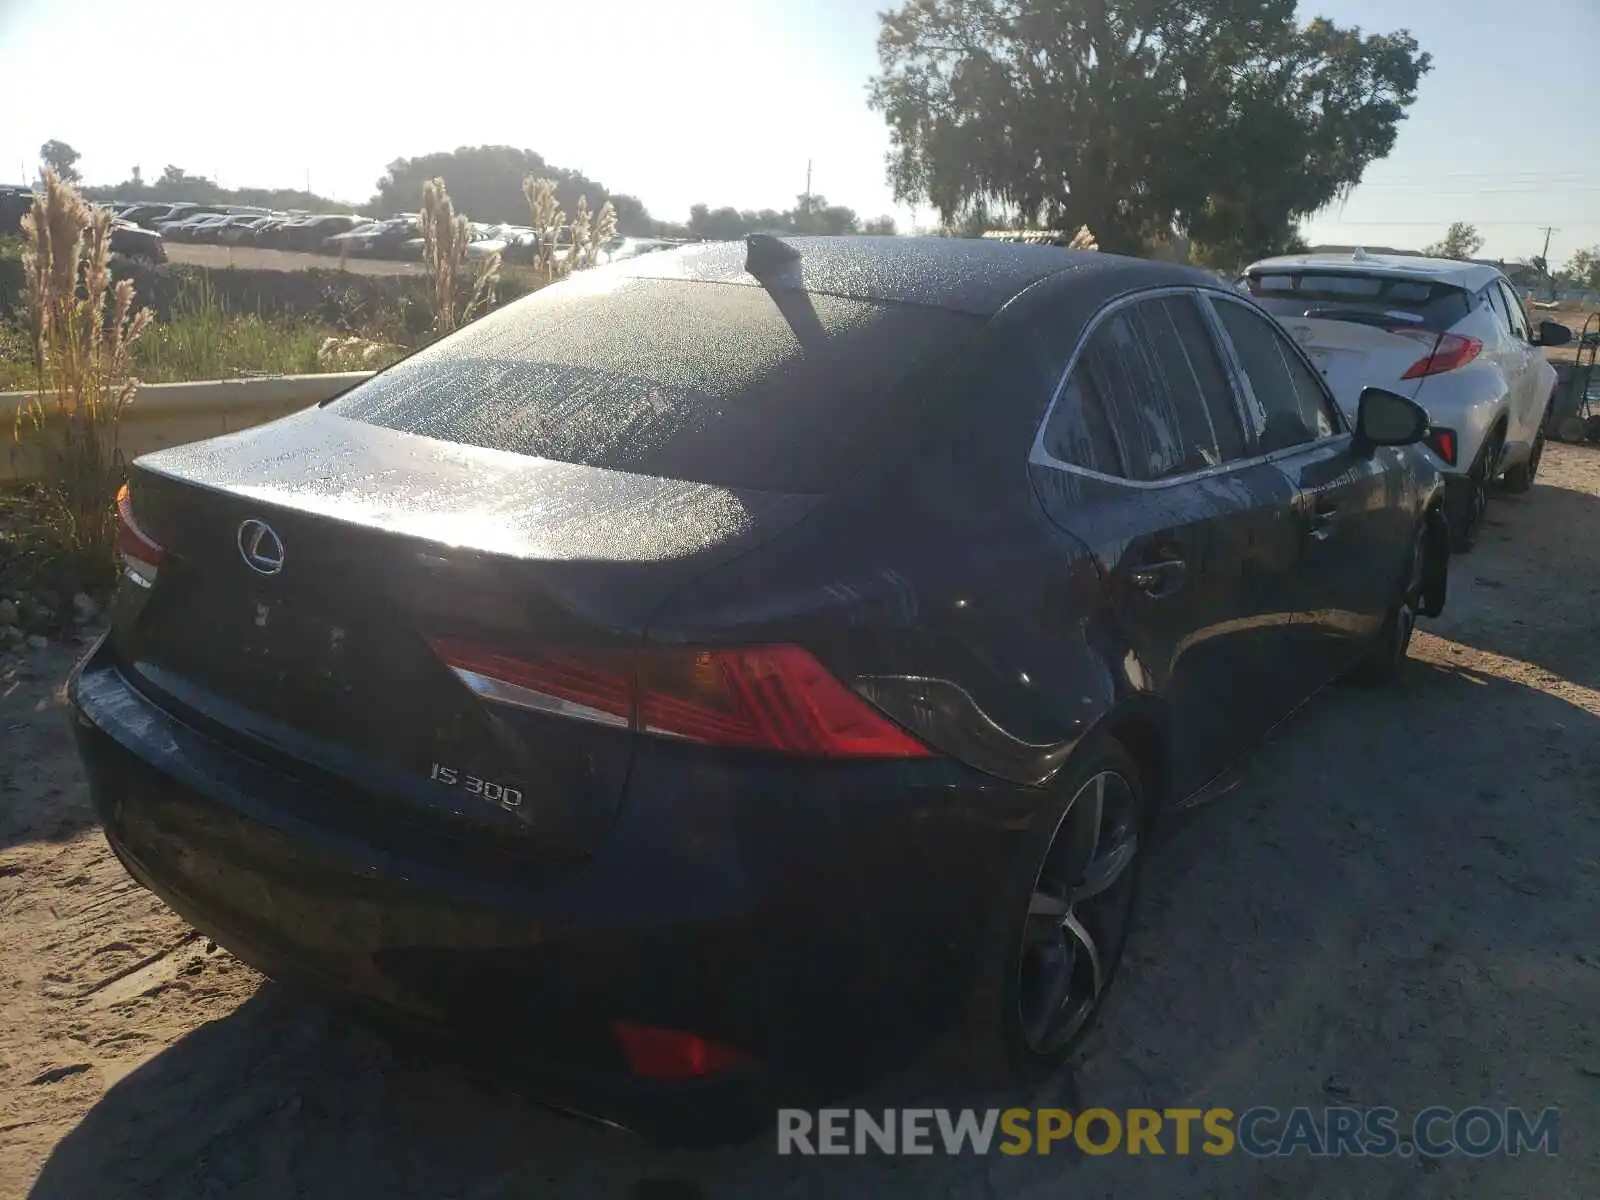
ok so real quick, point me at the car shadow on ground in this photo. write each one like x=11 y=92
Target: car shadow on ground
x=1301 y=940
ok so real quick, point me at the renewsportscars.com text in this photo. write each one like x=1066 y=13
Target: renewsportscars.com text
x=1476 y=1132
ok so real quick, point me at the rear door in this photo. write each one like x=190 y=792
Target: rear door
x=1192 y=534
x=1522 y=366
x=1351 y=528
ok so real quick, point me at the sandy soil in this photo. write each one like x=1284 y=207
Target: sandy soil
x=1400 y=905
x=252 y=258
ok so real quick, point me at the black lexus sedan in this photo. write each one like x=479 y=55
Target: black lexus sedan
x=704 y=676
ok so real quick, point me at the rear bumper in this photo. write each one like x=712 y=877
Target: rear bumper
x=809 y=938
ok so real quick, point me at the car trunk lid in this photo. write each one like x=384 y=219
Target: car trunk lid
x=1354 y=356
x=309 y=562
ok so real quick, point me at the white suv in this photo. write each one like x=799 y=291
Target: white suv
x=1453 y=336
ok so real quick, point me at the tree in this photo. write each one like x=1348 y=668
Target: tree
x=813 y=214
x=1223 y=119
x=810 y=215
x=61 y=158
x=486 y=184
x=177 y=185
x=1583 y=269
x=880 y=226
x=1460 y=241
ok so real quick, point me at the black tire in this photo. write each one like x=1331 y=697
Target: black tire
x=1388 y=654
x=1467 y=504
x=1043 y=933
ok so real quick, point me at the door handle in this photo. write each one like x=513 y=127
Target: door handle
x=1160 y=577
x=1323 y=518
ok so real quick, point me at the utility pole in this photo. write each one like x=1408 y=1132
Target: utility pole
x=808 y=187
x=1544 y=257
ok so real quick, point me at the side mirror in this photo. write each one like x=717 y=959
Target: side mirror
x=1552 y=333
x=1385 y=418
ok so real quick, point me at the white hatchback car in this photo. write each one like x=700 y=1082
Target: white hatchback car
x=1453 y=336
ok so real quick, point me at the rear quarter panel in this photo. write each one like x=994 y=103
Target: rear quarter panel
x=1472 y=398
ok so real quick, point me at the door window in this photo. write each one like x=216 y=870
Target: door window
x=1149 y=398
x=1286 y=401
x=1201 y=381
x=1519 y=319
x=1079 y=430
x=1496 y=304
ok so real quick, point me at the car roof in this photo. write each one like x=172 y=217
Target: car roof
x=1468 y=275
x=963 y=274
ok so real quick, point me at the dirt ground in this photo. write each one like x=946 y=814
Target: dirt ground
x=253 y=258
x=1400 y=905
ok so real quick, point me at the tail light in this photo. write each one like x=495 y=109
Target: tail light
x=776 y=698
x=141 y=555
x=1446 y=352
x=1443 y=443
x=668 y=1054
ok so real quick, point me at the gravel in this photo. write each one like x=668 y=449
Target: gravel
x=1400 y=904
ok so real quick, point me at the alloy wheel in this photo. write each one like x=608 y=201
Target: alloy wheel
x=1078 y=916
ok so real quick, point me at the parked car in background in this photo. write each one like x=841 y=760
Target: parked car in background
x=179 y=212
x=214 y=233
x=667 y=697
x=308 y=233
x=244 y=231
x=1453 y=336
x=379 y=240
x=623 y=248
x=267 y=233
x=185 y=228
x=136 y=242
x=15 y=203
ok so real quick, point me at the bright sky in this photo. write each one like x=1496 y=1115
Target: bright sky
x=721 y=101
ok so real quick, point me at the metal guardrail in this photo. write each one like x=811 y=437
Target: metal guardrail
x=170 y=414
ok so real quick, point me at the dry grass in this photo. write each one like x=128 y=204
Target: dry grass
x=582 y=235
x=445 y=234
x=83 y=372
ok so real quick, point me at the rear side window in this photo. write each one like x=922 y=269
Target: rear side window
x=1422 y=303
x=1287 y=401
x=1496 y=303
x=1139 y=403
x=1513 y=303
x=714 y=383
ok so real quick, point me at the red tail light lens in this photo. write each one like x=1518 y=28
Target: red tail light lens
x=140 y=554
x=776 y=698
x=667 y=1054
x=1443 y=443
x=1447 y=351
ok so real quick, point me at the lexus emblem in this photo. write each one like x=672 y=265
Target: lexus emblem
x=260 y=547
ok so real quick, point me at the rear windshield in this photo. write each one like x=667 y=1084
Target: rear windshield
x=723 y=384
x=1421 y=302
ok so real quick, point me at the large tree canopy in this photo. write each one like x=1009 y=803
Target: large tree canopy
x=61 y=158
x=810 y=214
x=1223 y=118
x=485 y=182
